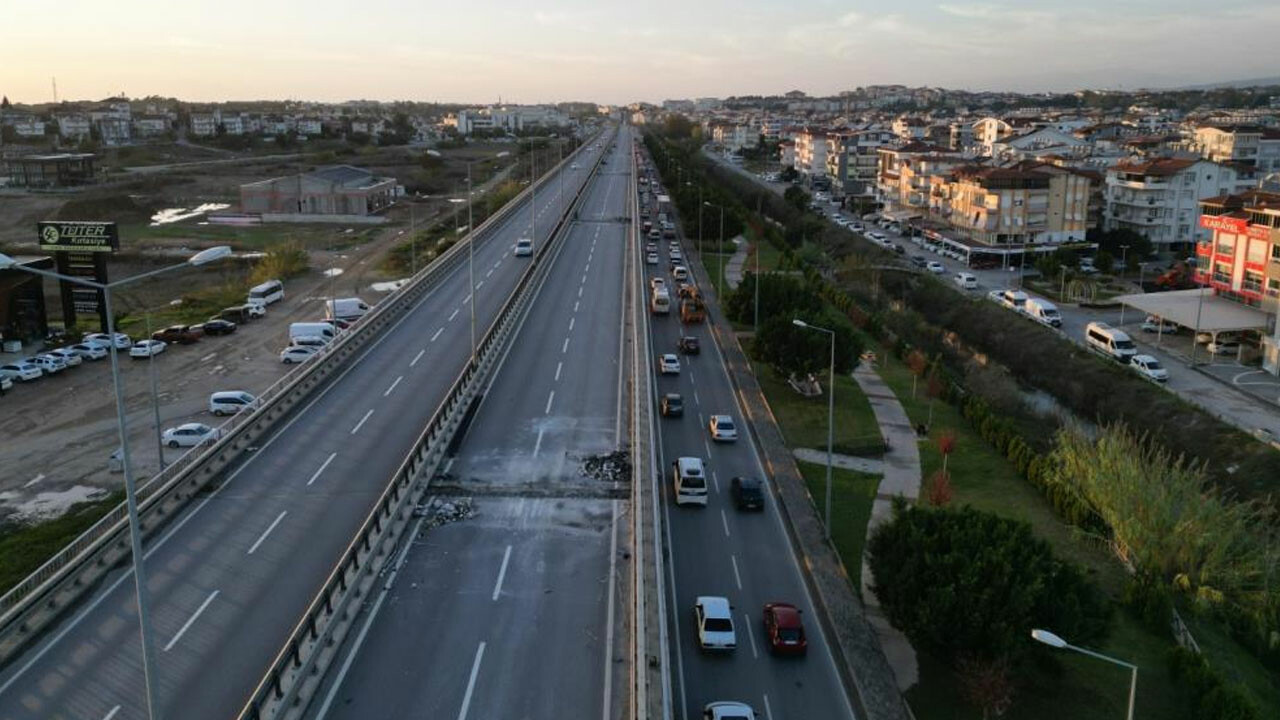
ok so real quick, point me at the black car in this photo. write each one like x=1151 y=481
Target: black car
x=747 y=492
x=219 y=327
x=689 y=345
x=919 y=261
x=899 y=249
x=672 y=405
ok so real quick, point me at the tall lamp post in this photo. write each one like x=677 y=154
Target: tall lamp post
x=831 y=413
x=471 y=253
x=131 y=500
x=1052 y=640
x=721 y=246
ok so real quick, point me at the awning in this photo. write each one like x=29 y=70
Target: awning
x=1185 y=308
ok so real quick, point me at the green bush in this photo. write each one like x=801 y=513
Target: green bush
x=1214 y=697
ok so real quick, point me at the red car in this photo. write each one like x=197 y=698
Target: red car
x=783 y=628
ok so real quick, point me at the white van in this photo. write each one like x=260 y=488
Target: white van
x=1109 y=342
x=230 y=402
x=268 y=292
x=345 y=308
x=321 y=330
x=660 y=302
x=690 y=481
x=1015 y=300
x=966 y=281
x=1043 y=312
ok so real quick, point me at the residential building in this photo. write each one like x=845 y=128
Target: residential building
x=233 y=123
x=28 y=126
x=150 y=125
x=335 y=190
x=1028 y=204
x=962 y=138
x=50 y=171
x=1160 y=198
x=988 y=131
x=204 y=124
x=114 y=130
x=903 y=172
x=1252 y=144
x=787 y=153
x=310 y=126
x=74 y=127
x=910 y=128
x=852 y=160
x=811 y=153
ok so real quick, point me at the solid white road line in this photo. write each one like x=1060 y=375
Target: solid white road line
x=187 y=626
x=725 y=520
x=454 y=315
x=437 y=334
x=736 y=577
x=360 y=424
x=606 y=707
x=393 y=386
x=550 y=398
x=559 y=367
x=324 y=465
x=267 y=532
x=497 y=587
x=565 y=348
x=751 y=635
x=418 y=357
x=34 y=480
x=768 y=711
x=471 y=684
x=111 y=714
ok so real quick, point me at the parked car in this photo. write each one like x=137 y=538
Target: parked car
x=230 y=402
x=1153 y=324
x=936 y=267
x=22 y=371
x=241 y=313
x=217 y=327
x=669 y=364
x=919 y=261
x=784 y=630
x=688 y=345
x=6 y=384
x=67 y=355
x=722 y=428
x=713 y=618
x=672 y=405
x=147 y=348
x=1224 y=346
x=190 y=435
x=50 y=364
x=122 y=341
x=298 y=353
x=747 y=493
x=89 y=350
x=181 y=334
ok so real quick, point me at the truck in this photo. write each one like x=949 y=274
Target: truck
x=692 y=310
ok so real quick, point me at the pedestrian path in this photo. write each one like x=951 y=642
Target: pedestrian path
x=844 y=462
x=901 y=477
x=733 y=269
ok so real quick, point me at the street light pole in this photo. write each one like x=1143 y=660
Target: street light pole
x=831 y=414
x=1124 y=267
x=155 y=397
x=471 y=263
x=130 y=490
x=1053 y=640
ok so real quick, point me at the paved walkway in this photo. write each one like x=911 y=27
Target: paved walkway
x=846 y=462
x=901 y=468
x=733 y=269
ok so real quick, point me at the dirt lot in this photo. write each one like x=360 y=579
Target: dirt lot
x=59 y=431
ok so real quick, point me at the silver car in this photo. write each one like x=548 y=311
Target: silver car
x=50 y=364
x=68 y=356
x=22 y=371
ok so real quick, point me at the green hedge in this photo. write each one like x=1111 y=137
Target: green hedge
x=1213 y=696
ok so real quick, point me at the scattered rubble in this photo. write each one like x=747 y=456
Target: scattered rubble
x=441 y=512
x=609 y=467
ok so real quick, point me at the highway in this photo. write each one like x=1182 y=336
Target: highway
x=517 y=612
x=229 y=578
x=718 y=550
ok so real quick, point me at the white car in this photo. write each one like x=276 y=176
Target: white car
x=713 y=617
x=1152 y=324
x=1227 y=346
x=297 y=354
x=50 y=364
x=147 y=348
x=122 y=341
x=936 y=267
x=669 y=364
x=722 y=428
x=728 y=710
x=21 y=370
x=230 y=402
x=657 y=283
x=89 y=350
x=651 y=258
x=680 y=272
x=1149 y=368
x=190 y=435
x=67 y=355
x=524 y=246
x=5 y=384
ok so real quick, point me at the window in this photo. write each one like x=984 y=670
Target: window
x=1257 y=251
x=1252 y=281
x=1275 y=253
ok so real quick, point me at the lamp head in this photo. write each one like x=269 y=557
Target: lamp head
x=208 y=256
x=1048 y=638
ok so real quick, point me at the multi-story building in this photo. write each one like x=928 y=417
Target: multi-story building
x=150 y=125
x=811 y=152
x=910 y=128
x=1028 y=204
x=1252 y=144
x=204 y=124
x=233 y=123
x=1160 y=198
x=114 y=130
x=961 y=136
x=903 y=172
x=28 y=126
x=852 y=160
x=74 y=127
x=787 y=153
x=310 y=126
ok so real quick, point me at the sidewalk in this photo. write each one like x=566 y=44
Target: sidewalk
x=901 y=478
x=733 y=269
x=844 y=462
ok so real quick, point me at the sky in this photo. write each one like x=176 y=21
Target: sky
x=480 y=51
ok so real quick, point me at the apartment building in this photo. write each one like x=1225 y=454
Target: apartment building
x=74 y=127
x=787 y=153
x=961 y=135
x=910 y=128
x=903 y=173
x=1027 y=204
x=734 y=136
x=853 y=159
x=811 y=152
x=1252 y=144
x=204 y=124
x=1240 y=255
x=26 y=126
x=150 y=125
x=1160 y=198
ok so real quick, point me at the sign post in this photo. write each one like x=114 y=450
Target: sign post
x=80 y=249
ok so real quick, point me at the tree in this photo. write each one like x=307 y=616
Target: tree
x=677 y=126
x=938 y=490
x=961 y=583
x=796 y=197
x=4 y=103
x=1105 y=261
x=792 y=350
x=785 y=295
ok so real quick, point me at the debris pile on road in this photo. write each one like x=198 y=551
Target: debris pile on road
x=440 y=512
x=609 y=467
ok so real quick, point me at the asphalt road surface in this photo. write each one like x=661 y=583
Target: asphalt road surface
x=230 y=579
x=717 y=550
x=516 y=612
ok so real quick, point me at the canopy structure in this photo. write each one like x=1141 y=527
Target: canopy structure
x=1199 y=310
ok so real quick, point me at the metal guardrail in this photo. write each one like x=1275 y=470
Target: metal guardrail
x=29 y=606
x=300 y=664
